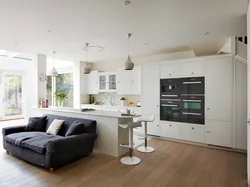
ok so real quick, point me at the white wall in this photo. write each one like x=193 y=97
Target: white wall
x=248 y=96
x=118 y=64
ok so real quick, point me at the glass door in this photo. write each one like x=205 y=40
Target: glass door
x=112 y=82
x=12 y=95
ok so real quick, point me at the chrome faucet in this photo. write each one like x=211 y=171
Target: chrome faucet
x=110 y=98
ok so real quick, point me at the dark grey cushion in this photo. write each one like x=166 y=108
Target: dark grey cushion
x=18 y=138
x=37 y=124
x=35 y=141
x=76 y=128
x=39 y=143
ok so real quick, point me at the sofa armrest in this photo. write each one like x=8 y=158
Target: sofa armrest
x=11 y=130
x=71 y=142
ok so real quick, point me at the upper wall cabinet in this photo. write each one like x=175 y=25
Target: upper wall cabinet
x=193 y=69
x=92 y=83
x=129 y=82
x=107 y=82
x=170 y=70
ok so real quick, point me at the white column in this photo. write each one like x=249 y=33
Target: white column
x=41 y=69
x=77 y=84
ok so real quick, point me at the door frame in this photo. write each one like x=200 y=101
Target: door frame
x=10 y=72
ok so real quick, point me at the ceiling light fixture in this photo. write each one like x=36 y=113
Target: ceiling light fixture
x=126 y=3
x=129 y=65
x=86 y=69
x=53 y=72
x=206 y=33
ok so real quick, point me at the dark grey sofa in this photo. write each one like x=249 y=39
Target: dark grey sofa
x=50 y=151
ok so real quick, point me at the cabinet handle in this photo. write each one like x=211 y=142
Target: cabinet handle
x=207 y=131
x=208 y=108
x=170 y=125
x=192 y=73
x=169 y=74
x=193 y=128
x=157 y=105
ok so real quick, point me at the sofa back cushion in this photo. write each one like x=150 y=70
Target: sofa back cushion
x=76 y=128
x=36 y=124
x=89 y=125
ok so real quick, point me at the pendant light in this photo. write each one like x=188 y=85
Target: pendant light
x=86 y=69
x=129 y=65
x=53 y=72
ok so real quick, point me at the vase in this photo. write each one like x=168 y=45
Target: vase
x=60 y=103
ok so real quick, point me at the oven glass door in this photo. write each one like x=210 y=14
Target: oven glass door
x=193 y=86
x=193 y=111
x=170 y=111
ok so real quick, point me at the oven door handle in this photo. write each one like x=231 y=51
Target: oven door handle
x=194 y=114
x=198 y=101
x=167 y=105
x=169 y=95
x=197 y=82
x=170 y=100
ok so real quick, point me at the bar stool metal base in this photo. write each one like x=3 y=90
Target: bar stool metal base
x=130 y=160
x=146 y=149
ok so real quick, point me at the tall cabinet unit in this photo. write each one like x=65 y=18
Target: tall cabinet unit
x=219 y=101
x=150 y=96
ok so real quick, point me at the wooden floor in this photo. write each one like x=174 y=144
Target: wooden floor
x=171 y=165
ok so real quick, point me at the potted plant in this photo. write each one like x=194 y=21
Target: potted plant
x=60 y=96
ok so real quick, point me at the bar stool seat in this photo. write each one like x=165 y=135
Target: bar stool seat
x=146 y=119
x=130 y=160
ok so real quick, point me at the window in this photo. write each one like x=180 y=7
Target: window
x=63 y=83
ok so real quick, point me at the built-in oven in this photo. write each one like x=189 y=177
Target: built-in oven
x=193 y=86
x=192 y=109
x=170 y=109
x=170 y=88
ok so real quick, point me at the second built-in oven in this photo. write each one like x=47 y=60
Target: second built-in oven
x=192 y=109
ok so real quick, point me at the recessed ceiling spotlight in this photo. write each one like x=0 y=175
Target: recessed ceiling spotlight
x=206 y=33
x=146 y=43
x=126 y=3
x=16 y=43
x=49 y=31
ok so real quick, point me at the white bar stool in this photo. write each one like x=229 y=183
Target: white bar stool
x=130 y=160
x=146 y=119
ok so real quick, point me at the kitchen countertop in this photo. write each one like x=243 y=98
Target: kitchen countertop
x=111 y=114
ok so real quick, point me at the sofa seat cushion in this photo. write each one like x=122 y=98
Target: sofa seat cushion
x=35 y=141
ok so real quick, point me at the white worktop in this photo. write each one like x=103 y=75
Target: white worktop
x=112 y=114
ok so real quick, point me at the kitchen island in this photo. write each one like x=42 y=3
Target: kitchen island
x=109 y=134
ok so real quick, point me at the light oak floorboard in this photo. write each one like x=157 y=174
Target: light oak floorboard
x=171 y=165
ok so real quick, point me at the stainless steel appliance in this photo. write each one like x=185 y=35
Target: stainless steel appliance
x=182 y=100
x=170 y=101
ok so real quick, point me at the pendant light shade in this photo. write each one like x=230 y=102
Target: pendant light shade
x=86 y=69
x=53 y=72
x=129 y=65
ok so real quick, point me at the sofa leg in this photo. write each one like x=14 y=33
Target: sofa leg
x=51 y=169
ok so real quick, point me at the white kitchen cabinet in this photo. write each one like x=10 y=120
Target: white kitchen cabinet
x=219 y=89
x=192 y=132
x=218 y=133
x=129 y=82
x=107 y=82
x=170 y=130
x=169 y=70
x=151 y=96
x=92 y=82
x=240 y=105
x=192 y=69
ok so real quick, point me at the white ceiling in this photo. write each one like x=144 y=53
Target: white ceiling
x=166 y=25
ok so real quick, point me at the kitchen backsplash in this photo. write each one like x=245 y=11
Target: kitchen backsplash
x=102 y=97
